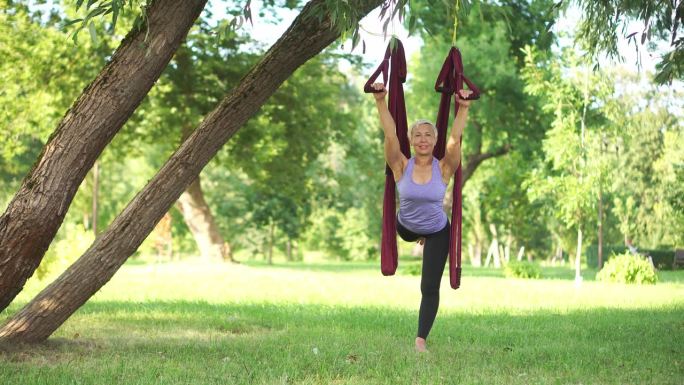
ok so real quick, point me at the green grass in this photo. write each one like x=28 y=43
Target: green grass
x=331 y=323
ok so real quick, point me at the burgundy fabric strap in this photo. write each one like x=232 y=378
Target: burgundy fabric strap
x=450 y=80
x=394 y=63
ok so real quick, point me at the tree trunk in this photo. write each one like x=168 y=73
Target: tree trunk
x=521 y=254
x=163 y=241
x=199 y=219
x=507 y=248
x=559 y=255
x=578 y=254
x=192 y=205
x=600 y=229
x=288 y=249
x=602 y=146
x=478 y=237
x=306 y=37
x=96 y=190
x=37 y=210
x=271 y=227
x=477 y=261
x=494 y=248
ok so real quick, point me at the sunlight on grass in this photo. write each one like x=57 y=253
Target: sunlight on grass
x=240 y=283
x=330 y=323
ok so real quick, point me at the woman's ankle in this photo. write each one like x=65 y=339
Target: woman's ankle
x=421 y=345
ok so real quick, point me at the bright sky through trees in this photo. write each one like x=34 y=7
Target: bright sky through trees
x=267 y=32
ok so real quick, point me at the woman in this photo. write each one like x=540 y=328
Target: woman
x=421 y=182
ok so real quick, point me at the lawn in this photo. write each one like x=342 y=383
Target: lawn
x=330 y=323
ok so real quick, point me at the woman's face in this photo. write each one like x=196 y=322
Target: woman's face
x=423 y=139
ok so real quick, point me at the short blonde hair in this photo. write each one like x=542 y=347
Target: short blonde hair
x=418 y=123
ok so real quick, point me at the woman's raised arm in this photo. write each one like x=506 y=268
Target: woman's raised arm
x=393 y=156
x=452 y=157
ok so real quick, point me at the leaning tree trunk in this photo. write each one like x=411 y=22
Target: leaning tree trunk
x=306 y=37
x=96 y=192
x=38 y=209
x=198 y=217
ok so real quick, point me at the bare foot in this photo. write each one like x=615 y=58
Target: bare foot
x=420 y=345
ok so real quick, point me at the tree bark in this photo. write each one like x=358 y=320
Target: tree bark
x=96 y=191
x=305 y=38
x=198 y=217
x=37 y=210
x=271 y=227
x=288 y=249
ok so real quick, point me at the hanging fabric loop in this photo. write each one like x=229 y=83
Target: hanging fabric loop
x=449 y=81
x=393 y=68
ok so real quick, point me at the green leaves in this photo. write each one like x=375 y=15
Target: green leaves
x=623 y=157
x=96 y=8
x=38 y=71
x=238 y=20
x=661 y=21
x=93 y=33
x=628 y=268
x=565 y=183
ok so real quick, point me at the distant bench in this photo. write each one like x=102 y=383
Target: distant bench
x=678 y=259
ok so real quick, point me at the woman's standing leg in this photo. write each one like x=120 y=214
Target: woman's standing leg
x=434 y=258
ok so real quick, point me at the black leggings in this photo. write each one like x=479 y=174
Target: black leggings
x=435 y=251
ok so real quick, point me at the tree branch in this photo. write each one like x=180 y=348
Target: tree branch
x=474 y=160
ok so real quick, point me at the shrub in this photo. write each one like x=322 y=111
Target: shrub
x=662 y=257
x=628 y=268
x=411 y=268
x=522 y=269
x=65 y=251
x=608 y=251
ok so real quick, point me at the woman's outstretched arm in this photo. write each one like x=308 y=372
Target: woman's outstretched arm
x=452 y=157
x=393 y=156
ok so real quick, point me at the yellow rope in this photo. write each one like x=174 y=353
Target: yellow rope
x=371 y=33
x=453 y=37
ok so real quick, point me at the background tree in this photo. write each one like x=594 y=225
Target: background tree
x=505 y=129
x=568 y=182
x=189 y=88
x=34 y=215
x=309 y=33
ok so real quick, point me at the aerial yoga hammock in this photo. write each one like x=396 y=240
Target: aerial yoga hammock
x=449 y=81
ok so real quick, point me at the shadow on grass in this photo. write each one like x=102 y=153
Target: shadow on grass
x=411 y=266
x=327 y=267
x=177 y=342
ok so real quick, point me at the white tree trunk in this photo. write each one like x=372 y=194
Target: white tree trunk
x=494 y=248
x=521 y=253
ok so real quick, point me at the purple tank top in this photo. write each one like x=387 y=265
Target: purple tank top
x=420 y=205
